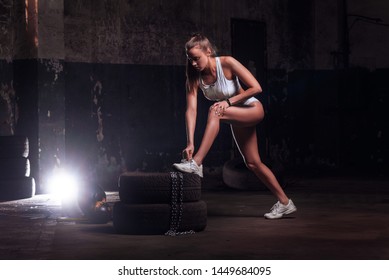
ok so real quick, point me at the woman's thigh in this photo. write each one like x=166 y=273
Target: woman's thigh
x=243 y=116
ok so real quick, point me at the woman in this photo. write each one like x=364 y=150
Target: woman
x=218 y=78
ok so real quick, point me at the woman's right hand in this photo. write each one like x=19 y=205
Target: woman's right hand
x=187 y=153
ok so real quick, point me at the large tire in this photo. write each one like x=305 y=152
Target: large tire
x=237 y=176
x=16 y=167
x=156 y=187
x=14 y=146
x=156 y=218
x=17 y=188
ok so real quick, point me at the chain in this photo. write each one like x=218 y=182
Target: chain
x=177 y=204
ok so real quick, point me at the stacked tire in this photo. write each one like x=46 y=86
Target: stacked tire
x=159 y=203
x=15 y=180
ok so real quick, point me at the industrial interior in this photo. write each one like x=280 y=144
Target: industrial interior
x=92 y=112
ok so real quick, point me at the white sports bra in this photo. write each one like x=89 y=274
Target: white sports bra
x=222 y=88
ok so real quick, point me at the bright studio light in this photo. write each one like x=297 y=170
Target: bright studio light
x=63 y=184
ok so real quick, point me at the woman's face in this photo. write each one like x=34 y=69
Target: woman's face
x=197 y=58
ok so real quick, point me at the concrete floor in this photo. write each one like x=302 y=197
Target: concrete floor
x=337 y=219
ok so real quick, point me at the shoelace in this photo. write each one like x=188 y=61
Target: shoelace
x=190 y=162
x=275 y=207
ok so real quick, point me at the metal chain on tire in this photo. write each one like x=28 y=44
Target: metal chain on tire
x=177 y=204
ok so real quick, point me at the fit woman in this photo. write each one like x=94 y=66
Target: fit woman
x=218 y=78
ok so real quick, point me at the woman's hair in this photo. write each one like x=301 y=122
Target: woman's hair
x=197 y=39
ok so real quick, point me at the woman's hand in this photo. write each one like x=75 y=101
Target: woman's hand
x=220 y=107
x=187 y=153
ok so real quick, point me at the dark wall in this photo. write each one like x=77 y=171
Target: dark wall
x=32 y=104
x=117 y=115
x=330 y=121
x=8 y=111
x=128 y=117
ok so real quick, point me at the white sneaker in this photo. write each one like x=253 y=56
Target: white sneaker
x=189 y=166
x=279 y=210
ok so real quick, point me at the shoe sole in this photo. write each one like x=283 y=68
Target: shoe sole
x=290 y=211
x=186 y=171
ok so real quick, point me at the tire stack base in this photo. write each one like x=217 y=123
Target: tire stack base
x=15 y=180
x=159 y=203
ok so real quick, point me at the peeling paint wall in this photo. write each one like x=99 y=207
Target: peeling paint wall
x=51 y=30
x=6 y=32
x=369 y=38
x=24 y=29
x=153 y=32
x=8 y=105
x=124 y=31
x=31 y=79
x=368 y=27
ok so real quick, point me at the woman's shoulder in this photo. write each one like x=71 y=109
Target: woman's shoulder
x=227 y=60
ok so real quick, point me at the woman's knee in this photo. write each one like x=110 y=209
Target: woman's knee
x=253 y=165
x=213 y=114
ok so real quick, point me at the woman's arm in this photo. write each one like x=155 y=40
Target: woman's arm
x=190 y=120
x=234 y=68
